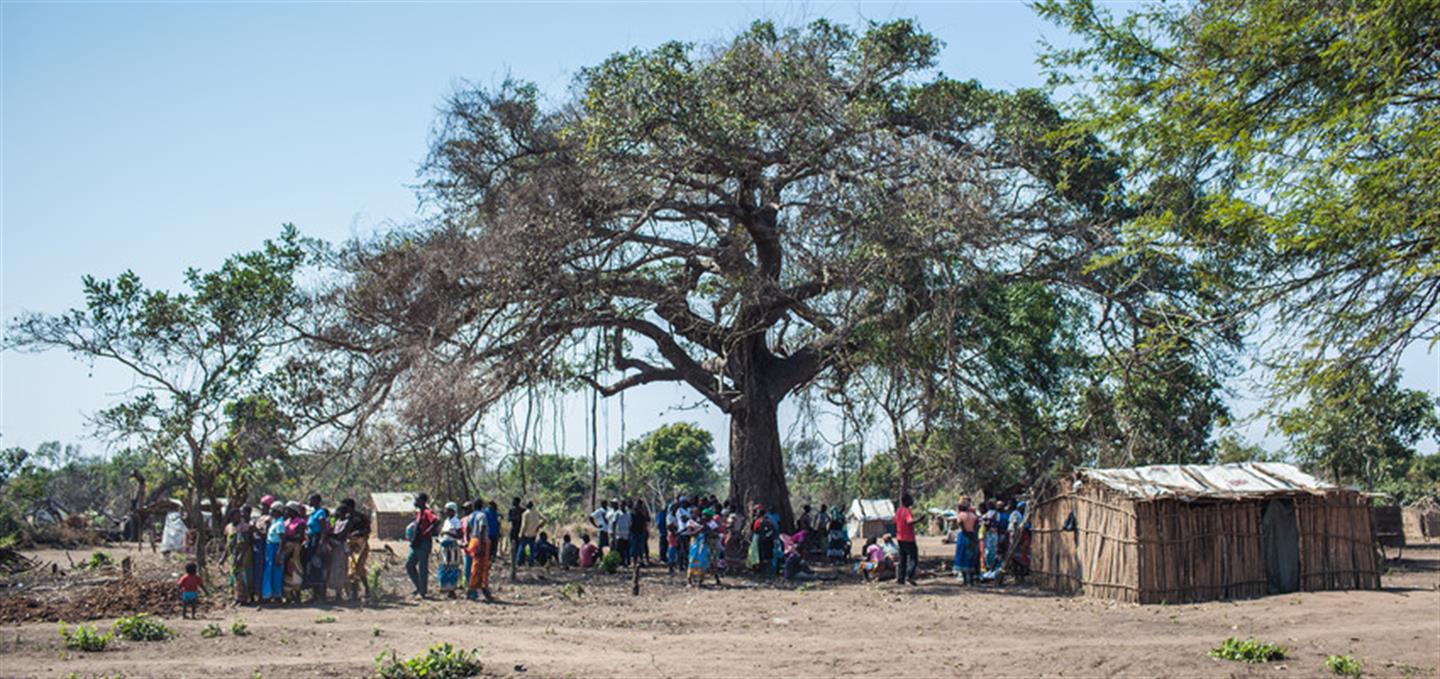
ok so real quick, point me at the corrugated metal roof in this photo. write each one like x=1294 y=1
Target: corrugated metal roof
x=386 y=503
x=1193 y=481
x=872 y=510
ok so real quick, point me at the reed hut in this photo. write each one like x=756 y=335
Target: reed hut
x=1422 y=520
x=1183 y=533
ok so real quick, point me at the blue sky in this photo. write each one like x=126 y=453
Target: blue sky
x=158 y=136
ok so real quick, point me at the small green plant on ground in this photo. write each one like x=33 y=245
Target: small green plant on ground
x=324 y=619
x=611 y=562
x=85 y=638
x=441 y=661
x=1344 y=665
x=142 y=627
x=211 y=631
x=97 y=561
x=571 y=591
x=239 y=628
x=375 y=583
x=375 y=631
x=1249 y=650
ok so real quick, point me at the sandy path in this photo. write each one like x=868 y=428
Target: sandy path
x=841 y=628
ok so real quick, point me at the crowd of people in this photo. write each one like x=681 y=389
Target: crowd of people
x=290 y=547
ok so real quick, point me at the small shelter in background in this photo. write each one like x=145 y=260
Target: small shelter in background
x=870 y=518
x=391 y=514
x=1422 y=520
x=1181 y=533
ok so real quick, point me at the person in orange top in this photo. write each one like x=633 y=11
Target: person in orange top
x=190 y=590
x=905 y=534
x=477 y=547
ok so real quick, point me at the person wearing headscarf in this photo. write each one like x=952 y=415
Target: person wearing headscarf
x=240 y=553
x=448 y=572
x=337 y=565
x=702 y=534
x=261 y=527
x=357 y=548
x=294 y=548
x=316 y=555
x=272 y=582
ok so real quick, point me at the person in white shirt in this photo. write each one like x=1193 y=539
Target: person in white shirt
x=620 y=526
x=600 y=519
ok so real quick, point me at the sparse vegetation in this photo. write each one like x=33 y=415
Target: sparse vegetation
x=1344 y=665
x=212 y=631
x=142 y=627
x=239 y=628
x=85 y=638
x=324 y=619
x=1249 y=650
x=97 y=561
x=441 y=661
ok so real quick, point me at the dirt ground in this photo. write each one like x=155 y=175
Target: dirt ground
x=751 y=628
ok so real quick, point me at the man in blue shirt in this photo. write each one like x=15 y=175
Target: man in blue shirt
x=492 y=527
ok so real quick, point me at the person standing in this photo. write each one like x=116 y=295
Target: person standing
x=357 y=548
x=640 y=532
x=967 y=541
x=317 y=528
x=600 y=520
x=337 y=542
x=662 y=530
x=905 y=534
x=417 y=566
x=620 y=530
x=450 y=550
x=477 y=581
x=492 y=524
x=513 y=517
x=530 y=523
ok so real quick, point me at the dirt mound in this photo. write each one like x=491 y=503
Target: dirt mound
x=124 y=596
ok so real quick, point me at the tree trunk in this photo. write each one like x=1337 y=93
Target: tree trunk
x=757 y=469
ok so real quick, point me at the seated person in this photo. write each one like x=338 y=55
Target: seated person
x=545 y=550
x=569 y=553
x=589 y=553
x=873 y=563
x=837 y=545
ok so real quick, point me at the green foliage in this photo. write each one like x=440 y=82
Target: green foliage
x=85 y=638
x=142 y=627
x=239 y=628
x=1292 y=147
x=441 y=661
x=212 y=631
x=1361 y=428
x=324 y=619
x=1249 y=650
x=572 y=591
x=376 y=580
x=610 y=563
x=674 y=458
x=97 y=561
x=1344 y=665
x=879 y=478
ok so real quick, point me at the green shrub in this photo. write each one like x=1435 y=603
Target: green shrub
x=97 y=561
x=1249 y=650
x=85 y=638
x=376 y=583
x=212 y=631
x=324 y=619
x=611 y=562
x=441 y=661
x=142 y=627
x=1344 y=665
x=239 y=628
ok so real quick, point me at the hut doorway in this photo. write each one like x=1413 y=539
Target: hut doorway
x=1280 y=546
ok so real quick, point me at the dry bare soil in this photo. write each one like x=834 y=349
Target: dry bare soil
x=752 y=628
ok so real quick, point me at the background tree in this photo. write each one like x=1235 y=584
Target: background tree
x=1306 y=140
x=192 y=353
x=736 y=219
x=1361 y=428
x=674 y=458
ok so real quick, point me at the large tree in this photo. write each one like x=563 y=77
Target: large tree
x=739 y=219
x=1308 y=137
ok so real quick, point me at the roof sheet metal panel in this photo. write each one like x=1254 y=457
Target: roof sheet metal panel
x=1245 y=479
x=871 y=510
x=393 y=502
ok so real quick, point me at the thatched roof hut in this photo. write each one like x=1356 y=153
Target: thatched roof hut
x=1179 y=533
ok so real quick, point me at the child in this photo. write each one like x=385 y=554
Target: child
x=190 y=590
x=569 y=553
x=588 y=552
x=672 y=549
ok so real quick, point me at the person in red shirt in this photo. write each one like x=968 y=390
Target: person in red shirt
x=905 y=535
x=190 y=590
x=417 y=566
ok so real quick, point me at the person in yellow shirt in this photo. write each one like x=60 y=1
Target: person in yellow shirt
x=530 y=523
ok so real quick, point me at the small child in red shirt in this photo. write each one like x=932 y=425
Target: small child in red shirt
x=190 y=590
